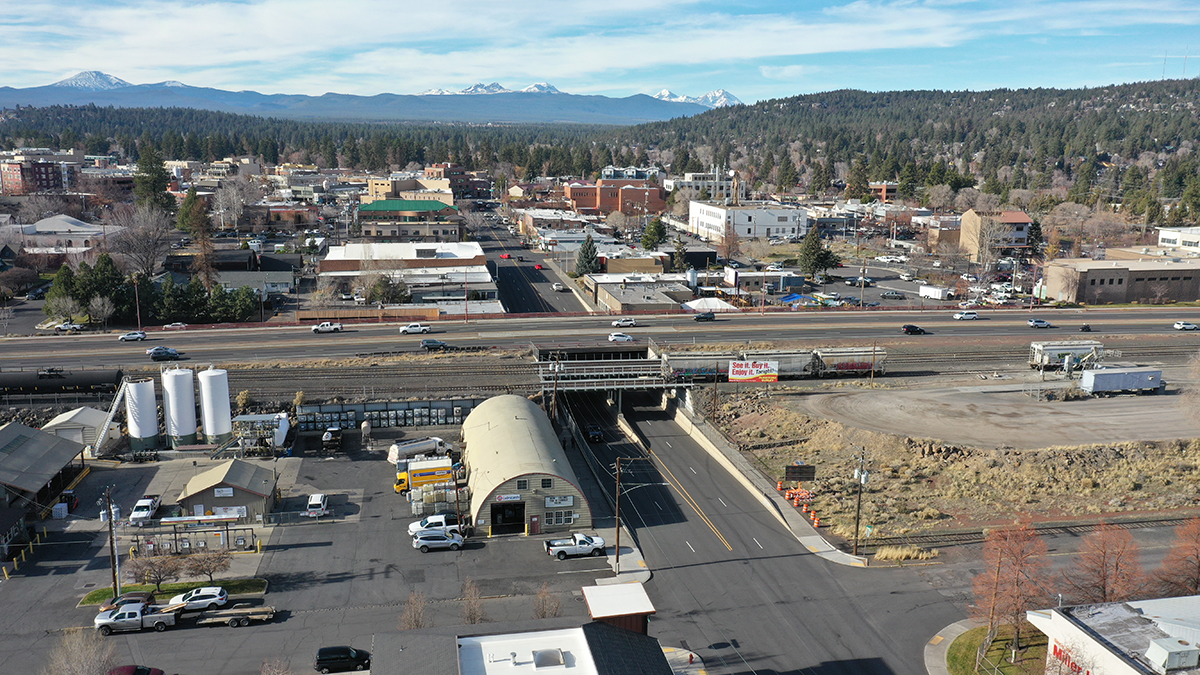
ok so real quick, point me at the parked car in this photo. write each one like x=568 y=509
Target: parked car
x=705 y=316
x=864 y=281
x=161 y=353
x=35 y=294
x=318 y=505
x=966 y=315
x=205 y=597
x=625 y=322
x=433 y=345
x=892 y=295
x=968 y=277
x=774 y=268
x=178 y=325
x=905 y=276
x=1039 y=323
x=339 y=659
x=619 y=337
x=68 y=327
x=144 y=597
x=1184 y=325
x=427 y=540
x=133 y=336
x=909 y=329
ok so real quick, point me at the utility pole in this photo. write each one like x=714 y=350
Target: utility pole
x=618 y=509
x=860 y=477
x=112 y=543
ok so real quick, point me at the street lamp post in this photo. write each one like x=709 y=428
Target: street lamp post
x=860 y=477
x=617 y=499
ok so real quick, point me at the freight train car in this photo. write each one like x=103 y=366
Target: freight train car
x=59 y=381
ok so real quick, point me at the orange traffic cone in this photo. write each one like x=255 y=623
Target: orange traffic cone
x=780 y=487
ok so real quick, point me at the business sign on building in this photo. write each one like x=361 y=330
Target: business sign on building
x=508 y=498
x=223 y=492
x=753 y=371
x=560 y=502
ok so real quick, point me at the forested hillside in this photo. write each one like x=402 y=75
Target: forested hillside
x=1131 y=145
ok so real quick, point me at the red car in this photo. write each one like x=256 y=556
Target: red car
x=538 y=267
x=505 y=256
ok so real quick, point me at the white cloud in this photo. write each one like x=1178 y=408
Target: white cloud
x=373 y=46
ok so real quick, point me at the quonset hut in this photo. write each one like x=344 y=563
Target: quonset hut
x=519 y=475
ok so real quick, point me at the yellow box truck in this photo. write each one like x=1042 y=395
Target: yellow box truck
x=411 y=473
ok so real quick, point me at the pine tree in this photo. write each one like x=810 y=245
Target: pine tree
x=190 y=211
x=857 y=185
x=655 y=235
x=151 y=180
x=679 y=259
x=586 y=261
x=787 y=173
x=809 y=256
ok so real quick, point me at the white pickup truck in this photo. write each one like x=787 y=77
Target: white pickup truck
x=578 y=544
x=415 y=328
x=143 y=510
x=327 y=327
x=136 y=616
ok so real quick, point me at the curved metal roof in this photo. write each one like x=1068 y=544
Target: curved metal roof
x=509 y=436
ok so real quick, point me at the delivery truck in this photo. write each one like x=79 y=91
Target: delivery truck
x=936 y=292
x=414 y=473
x=1113 y=381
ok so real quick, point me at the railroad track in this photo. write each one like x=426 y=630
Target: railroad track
x=967 y=537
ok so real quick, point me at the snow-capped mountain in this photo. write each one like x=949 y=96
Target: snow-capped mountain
x=539 y=103
x=494 y=88
x=93 y=80
x=481 y=88
x=713 y=99
x=541 y=88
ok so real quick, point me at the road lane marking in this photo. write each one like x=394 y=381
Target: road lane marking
x=687 y=497
x=689 y=545
x=756 y=541
x=722 y=502
x=693 y=471
x=659 y=507
x=669 y=444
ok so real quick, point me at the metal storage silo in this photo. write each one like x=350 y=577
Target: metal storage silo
x=141 y=409
x=693 y=278
x=214 y=405
x=179 y=406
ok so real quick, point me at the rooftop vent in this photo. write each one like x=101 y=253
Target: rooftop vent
x=548 y=658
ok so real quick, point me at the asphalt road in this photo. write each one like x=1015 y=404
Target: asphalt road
x=817 y=328
x=733 y=585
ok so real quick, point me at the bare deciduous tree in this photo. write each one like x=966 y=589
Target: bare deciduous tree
x=81 y=652
x=1107 y=567
x=546 y=605
x=730 y=245
x=146 y=236
x=101 y=309
x=64 y=307
x=413 y=617
x=987 y=201
x=38 y=207
x=208 y=563
x=155 y=569
x=1013 y=580
x=759 y=248
x=939 y=197
x=275 y=666
x=966 y=198
x=1180 y=571
x=17 y=279
x=472 y=608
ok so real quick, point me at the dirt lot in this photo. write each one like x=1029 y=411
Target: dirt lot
x=975 y=453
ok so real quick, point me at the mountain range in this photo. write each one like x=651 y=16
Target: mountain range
x=481 y=103
x=713 y=99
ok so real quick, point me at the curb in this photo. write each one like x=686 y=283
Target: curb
x=938 y=646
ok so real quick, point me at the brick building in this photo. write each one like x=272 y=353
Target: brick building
x=410 y=220
x=631 y=197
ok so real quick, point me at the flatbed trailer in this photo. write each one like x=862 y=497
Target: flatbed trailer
x=239 y=615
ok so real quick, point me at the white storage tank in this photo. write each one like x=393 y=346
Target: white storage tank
x=214 y=405
x=179 y=406
x=141 y=409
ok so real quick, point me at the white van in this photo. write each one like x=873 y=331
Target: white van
x=318 y=505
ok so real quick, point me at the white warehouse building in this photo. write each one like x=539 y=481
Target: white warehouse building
x=711 y=221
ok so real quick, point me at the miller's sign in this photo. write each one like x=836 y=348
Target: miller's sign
x=1064 y=657
x=753 y=371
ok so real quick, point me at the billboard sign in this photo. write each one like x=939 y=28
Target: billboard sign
x=753 y=371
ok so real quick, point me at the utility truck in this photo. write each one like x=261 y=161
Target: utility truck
x=431 y=445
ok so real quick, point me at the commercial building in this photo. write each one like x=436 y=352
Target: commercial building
x=83 y=426
x=520 y=478
x=461 y=182
x=35 y=465
x=1179 y=239
x=630 y=172
x=1144 y=637
x=58 y=234
x=1099 y=282
x=999 y=230
x=444 y=272
x=408 y=186
x=410 y=220
x=232 y=488
x=631 y=197
x=716 y=185
x=713 y=221
x=639 y=297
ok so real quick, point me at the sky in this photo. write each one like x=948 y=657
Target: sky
x=755 y=50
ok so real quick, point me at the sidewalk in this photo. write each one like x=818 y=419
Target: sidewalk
x=684 y=662
x=939 y=645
